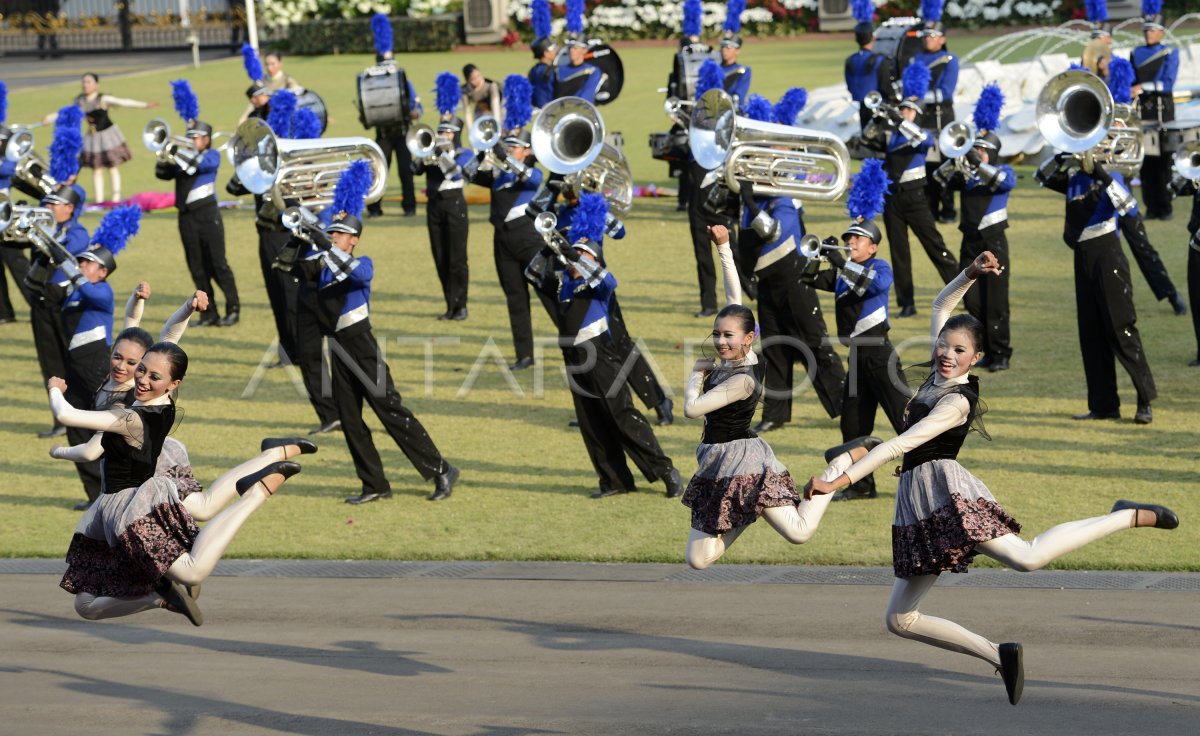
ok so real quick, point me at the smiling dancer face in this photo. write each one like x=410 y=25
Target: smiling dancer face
x=160 y=372
x=730 y=337
x=128 y=350
x=955 y=352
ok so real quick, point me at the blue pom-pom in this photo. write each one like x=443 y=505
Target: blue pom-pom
x=1120 y=80
x=590 y=216
x=186 y=103
x=250 y=61
x=283 y=105
x=306 y=124
x=790 y=105
x=67 y=143
x=987 y=109
x=693 y=17
x=381 y=28
x=539 y=18
x=3 y=102
x=709 y=77
x=863 y=10
x=916 y=80
x=1152 y=7
x=117 y=227
x=352 y=187
x=518 y=101
x=868 y=192
x=757 y=108
x=931 y=10
x=575 y=16
x=733 y=15
x=1097 y=10
x=448 y=93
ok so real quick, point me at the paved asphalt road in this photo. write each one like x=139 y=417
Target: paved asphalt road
x=294 y=647
x=30 y=71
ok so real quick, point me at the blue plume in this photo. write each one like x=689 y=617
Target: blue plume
x=931 y=10
x=863 y=10
x=518 y=96
x=1151 y=7
x=250 y=60
x=352 y=187
x=3 y=102
x=575 y=16
x=381 y=28
x=733 y=15
x=1078 y=68
x=1097 y=10
x=186 y=103
x=757 y=108
x=987 y=109
x=117 y=227
x=693 y=16
x=283 y=105
x=539 y=18
x=448 y=92
x=590 y=216
x=67 y=143
x=306 y=124
x=1120 y=79
x=916 y=80
x=709 y=77
x=869 y=191
x=790 y=105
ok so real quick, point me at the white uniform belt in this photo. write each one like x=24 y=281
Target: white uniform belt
x=448 y=184
x=202 y=191
x=79 y=339
x=913 y=174
x=353 y=317
x=772 y=257
x=1091 y=232
x=993 y=218
x=592 y=331
x=515 y=212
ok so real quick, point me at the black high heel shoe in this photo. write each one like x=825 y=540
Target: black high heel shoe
x=1164 y=518
x=286 y=468
x=1012 y=670
x=180 y=600
x=307 y=447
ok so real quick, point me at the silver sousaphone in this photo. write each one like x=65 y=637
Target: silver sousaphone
x=568 y=138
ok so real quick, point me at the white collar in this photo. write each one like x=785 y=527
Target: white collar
x=750 y=359
x=939 y=381
x=159 y=401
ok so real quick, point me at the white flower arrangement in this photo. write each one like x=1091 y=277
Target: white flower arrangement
x=992 y=11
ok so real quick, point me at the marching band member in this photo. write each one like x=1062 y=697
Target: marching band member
x=908 y=203
x=689 y=43
x=938 y=110
x=1105 y=312
x=788 y=310
x=1156 y=66
x=860 y=283
x=271 y=81
x=12 y=255
x=863 y=67
x=737 y=76
x=446 y=212
x=344 y=283
x=985 y=191
x=1193 y=261
x=391 y=137
x=1098 y=51
x=545 y=50
x=577 y=78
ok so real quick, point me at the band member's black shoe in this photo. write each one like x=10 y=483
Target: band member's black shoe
x=907 y=311
x=179 y=601
x=674 y=483
x=1012 y=669
x=368 y=497
x=443 y=485
x=521 y=364
x=83 y=505
x=459 y=315
x=57 y=430
x=1164 y=518
x=333 y=426
x=767 y=425
x=307 y=447
x=666 y=416
x=1144 y=414
x=1116 y=414
x=231 y=319
x=999 y=364
x=1178 y=304
x=446 y=315
x=286 y=468
x=607 y=491
x=706 y=312
x=870 y=442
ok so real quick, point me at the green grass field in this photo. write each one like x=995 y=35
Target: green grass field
x=525 y=475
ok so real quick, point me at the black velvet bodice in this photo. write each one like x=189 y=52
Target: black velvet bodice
x=732 y=422
x=129 y=466
x=947 y=444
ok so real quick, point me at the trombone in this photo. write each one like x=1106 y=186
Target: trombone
x=170 y=149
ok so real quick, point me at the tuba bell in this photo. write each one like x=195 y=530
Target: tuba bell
x=421 y=141
x=15 y=142
x=1075 y=111
x=778 y=160
x=304 y=170
x=567 y=135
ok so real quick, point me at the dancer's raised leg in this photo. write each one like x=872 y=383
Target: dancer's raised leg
x=206 y=505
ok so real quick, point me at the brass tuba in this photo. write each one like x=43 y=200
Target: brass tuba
x=172 y=149
x=778 y=160
x=303 y=170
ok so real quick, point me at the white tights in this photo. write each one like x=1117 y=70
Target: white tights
x=98 y=184
x=903 y=618
x=797 y=524
x=194 y=566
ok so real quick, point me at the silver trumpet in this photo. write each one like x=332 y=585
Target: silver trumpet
x=813 y=247
x=484 y=133
x=679 y=110
x=33 y=174
x=546 y=224
x=777 y=160
x=35 y=225
x=885 y=116
x=15 y=142
x=1187 y=161
x=171 y=149
x=421 y=141
x=956 y=142
x=303 y=170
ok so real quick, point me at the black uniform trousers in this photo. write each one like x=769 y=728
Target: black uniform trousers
x=87 y=370
x=48 y=340
x=907 y=207
x=359 y=374
x=1193 y=282
x=1146 y=257
x=790 y=313
x=391 y=142
x=14 y=259
x=706 y=269
x=875 y=380
x=281 y=289
x=987 y=301
x=512 y=249
x=308 y=357
x=609 y=422
x=1108 y=324
x=446 y=218
x=640 y=378
x=203 y=234
x=1156 y=108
